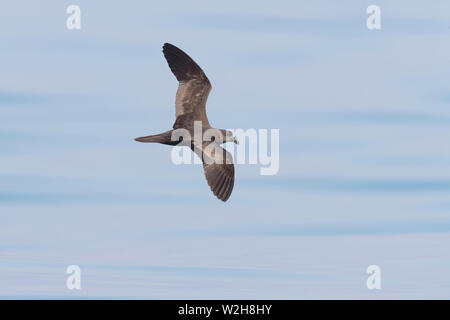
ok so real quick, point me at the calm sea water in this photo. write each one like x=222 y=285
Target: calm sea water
x=364 y=174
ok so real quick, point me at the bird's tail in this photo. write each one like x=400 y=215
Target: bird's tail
x=164 y=138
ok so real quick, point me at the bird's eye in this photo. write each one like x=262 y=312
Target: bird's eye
x=180 y=138
x=213 y=138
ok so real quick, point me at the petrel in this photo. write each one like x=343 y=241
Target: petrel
x=190 y=111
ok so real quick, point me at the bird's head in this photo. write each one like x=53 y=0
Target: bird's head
x=228 y=136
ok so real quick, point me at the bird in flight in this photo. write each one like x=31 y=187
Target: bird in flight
x=190 y=110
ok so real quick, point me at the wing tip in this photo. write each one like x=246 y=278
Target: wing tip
x=223 y=197
x=168 y=48
x=167 y=45
x=222 y=186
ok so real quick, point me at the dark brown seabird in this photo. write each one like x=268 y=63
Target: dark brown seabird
x=190 y=106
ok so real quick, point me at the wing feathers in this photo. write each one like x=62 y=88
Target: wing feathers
x=183 y=67
x=220 y=179
x=194 y=86
x=219 y=171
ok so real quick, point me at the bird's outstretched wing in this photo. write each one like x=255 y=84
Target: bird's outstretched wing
x=219 y=169
x=194 y=86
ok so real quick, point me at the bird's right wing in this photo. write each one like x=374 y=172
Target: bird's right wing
x=194 y=86
x=219 y=169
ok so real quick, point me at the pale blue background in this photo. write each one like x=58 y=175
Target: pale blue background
x=364 y=125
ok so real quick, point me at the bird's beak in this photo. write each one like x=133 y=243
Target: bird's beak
x=236 y=141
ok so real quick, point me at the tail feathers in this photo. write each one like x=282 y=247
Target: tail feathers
x=164 y=138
